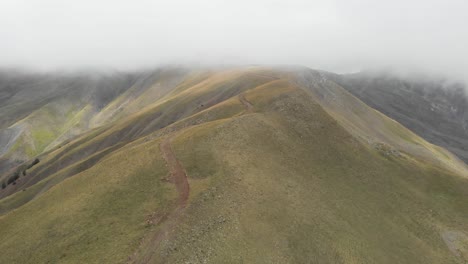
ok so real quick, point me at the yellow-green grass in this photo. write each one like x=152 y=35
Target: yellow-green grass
x=98 y=216
x=28 y=193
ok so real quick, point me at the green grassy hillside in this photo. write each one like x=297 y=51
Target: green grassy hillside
x=241 y=166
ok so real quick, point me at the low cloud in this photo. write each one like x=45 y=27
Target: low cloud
x=340 y=35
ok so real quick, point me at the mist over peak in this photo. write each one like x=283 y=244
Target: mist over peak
x=338 y=36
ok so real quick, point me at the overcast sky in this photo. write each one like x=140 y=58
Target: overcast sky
x=337 y=35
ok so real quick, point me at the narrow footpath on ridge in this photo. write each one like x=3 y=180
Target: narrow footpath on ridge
x=178 y=176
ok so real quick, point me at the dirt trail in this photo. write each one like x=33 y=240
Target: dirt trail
x=178 y=177
x=180 y=180
x=178 y=174
x=246 y=103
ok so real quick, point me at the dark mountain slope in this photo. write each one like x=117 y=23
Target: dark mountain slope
x=435 y=109
x=40 y=111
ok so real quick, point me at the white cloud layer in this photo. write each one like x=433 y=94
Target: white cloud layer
x=336 y=35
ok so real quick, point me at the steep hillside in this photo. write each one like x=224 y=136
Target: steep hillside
x=435 y=109
x=39 y=111
x=250 y=165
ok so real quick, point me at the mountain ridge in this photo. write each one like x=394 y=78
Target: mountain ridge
x=280 y=153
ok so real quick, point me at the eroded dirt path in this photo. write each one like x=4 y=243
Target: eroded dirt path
x=178 y=177
x=178 y=174
x=246 y=103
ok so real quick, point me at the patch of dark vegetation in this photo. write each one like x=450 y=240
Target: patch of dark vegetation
x=35 y=161
x=13 y=178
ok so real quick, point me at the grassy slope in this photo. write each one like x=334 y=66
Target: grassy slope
x=148 y=89
x=284 y=184
x=371 y=126
x=189 y=100
x=289 y=185
x=75 y=104
x=101 y=214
